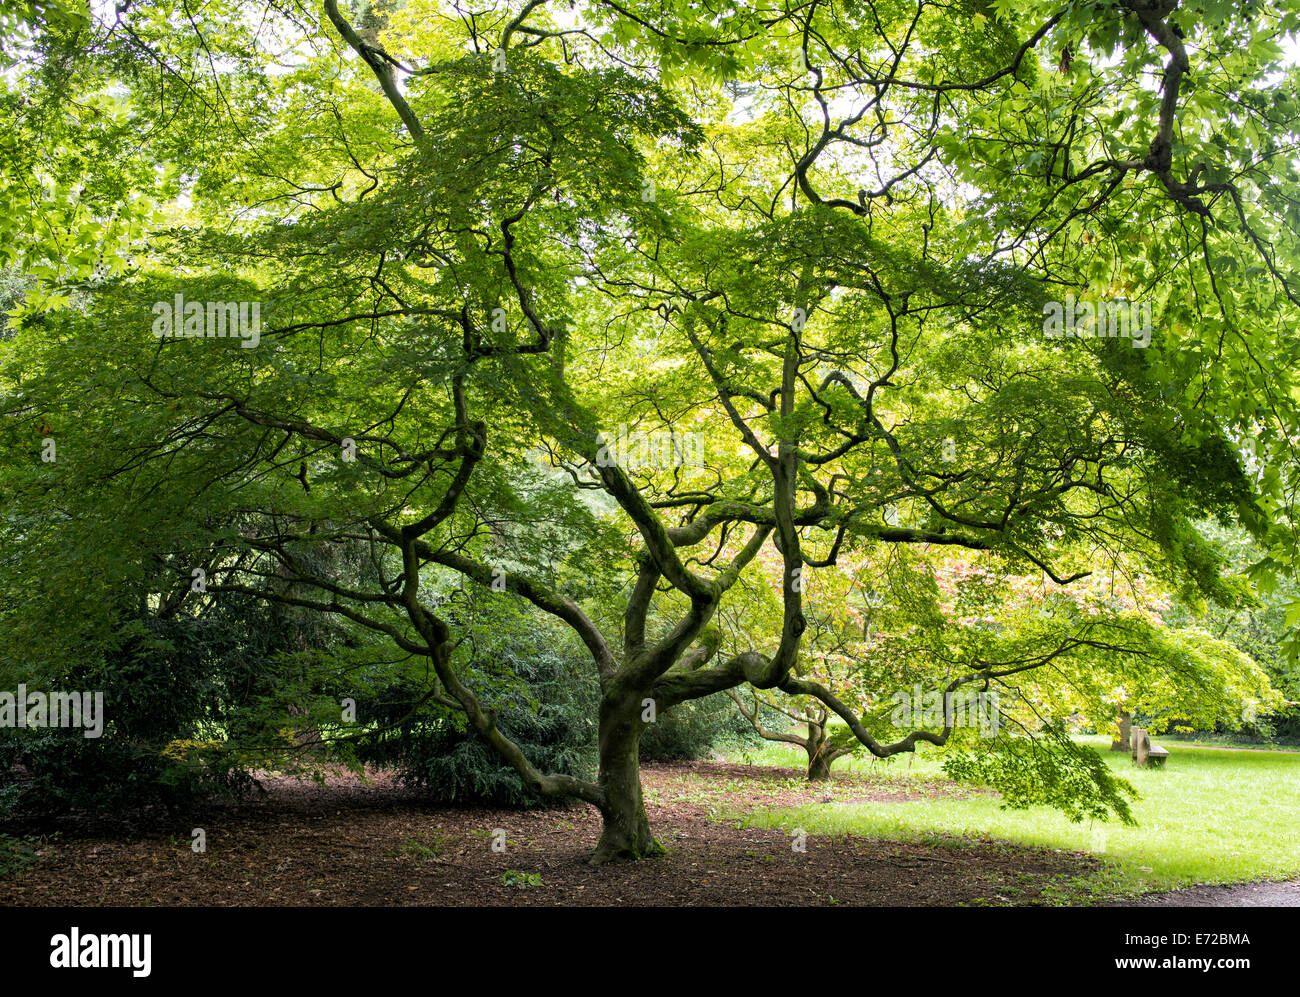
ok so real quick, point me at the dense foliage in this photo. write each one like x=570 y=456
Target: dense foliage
x=511 y=267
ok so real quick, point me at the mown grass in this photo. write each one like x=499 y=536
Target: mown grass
x=1208 y=817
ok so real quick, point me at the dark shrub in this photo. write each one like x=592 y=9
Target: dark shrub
x=170 y=686
x=546 y=699
x=692 y=729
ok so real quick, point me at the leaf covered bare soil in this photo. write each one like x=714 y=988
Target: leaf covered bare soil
x=351 y=843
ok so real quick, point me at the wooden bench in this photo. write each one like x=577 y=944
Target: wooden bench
x=1145 y=753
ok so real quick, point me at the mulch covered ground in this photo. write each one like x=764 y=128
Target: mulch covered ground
x=351 y=842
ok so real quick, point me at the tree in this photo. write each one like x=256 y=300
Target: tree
x=466 y=230
x=819 y=743
x=1079 y=651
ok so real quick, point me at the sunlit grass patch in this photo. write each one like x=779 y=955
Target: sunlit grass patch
x=1209 y=817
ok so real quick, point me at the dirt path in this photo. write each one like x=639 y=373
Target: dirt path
x=1245 y=895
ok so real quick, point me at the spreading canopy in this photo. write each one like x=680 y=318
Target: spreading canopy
x=818 y=243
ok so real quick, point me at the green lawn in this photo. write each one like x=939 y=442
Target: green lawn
x=1209 y=817
x=1223 y=742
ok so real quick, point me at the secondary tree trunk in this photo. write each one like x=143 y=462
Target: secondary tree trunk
x=626 y=833
x=819 y=754
x=1125 y=733
x=819 y=767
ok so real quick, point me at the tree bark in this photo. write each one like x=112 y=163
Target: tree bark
x=626 y=833
x=819 y=758
x=819 y=767
x=1125 y=732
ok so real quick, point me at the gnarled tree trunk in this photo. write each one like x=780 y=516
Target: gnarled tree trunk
x=819 y=753
x=821 y=756
x=626 y=833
